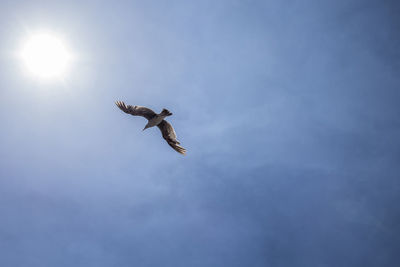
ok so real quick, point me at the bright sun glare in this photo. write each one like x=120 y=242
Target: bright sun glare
x=45 y=56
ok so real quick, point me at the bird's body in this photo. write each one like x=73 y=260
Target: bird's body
x=155 y=119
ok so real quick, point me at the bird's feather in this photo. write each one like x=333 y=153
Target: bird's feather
x=136 y=110
x=169 y=135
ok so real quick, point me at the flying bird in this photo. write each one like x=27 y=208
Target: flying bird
x=155 y=119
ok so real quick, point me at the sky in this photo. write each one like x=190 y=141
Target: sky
x=289 y=111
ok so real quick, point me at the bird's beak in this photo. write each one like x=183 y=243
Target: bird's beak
x=144 y=128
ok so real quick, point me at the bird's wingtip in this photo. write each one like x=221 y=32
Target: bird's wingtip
x=120 y=104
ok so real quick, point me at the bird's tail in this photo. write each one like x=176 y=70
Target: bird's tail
x=165 y=112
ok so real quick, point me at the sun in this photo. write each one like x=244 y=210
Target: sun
x=45 y=56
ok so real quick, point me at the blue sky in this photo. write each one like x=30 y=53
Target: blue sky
x=289 y=111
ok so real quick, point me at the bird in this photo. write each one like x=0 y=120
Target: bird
x=154 y=119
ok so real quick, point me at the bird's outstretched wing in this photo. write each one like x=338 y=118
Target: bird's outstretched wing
x=136 y=110
x=169 y=135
